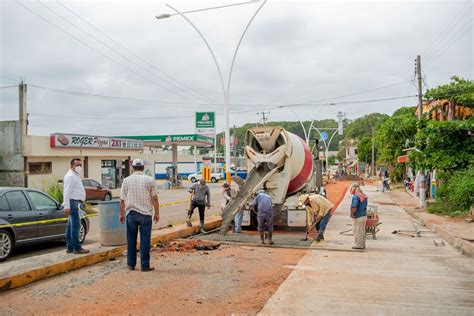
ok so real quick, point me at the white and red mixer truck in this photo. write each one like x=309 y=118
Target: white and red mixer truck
x=283 y=163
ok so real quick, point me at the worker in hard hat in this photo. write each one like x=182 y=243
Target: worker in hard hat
x=318 y=210
x=263 y=205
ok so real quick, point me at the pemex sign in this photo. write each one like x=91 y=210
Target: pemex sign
x=205 y=123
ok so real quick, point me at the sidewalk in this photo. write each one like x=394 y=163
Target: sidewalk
x=455 y=231
x=396 y=275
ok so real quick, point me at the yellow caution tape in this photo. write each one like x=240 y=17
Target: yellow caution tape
x=57 y=220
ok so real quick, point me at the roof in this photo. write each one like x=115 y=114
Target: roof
x=180 y=139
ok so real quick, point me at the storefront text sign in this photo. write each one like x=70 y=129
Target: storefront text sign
x=86 y=141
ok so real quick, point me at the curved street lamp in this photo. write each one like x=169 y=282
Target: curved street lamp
x=225 y=88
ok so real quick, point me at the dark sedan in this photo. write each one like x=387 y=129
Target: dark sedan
x=30 y=216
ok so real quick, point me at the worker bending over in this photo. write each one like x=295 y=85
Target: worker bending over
x=263 y=205
x=318 y=210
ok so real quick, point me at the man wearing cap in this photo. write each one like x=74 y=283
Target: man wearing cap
x=138 y=198
x=359 y=215
x=201 y=197
x=229 y=193
x=318 y=210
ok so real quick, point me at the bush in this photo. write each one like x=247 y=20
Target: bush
x=56 y=192
x=455 y=194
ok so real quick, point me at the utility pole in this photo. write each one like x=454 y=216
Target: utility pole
x=264 y=118
x=420 y=115
x=373 y=154
x=22 y=91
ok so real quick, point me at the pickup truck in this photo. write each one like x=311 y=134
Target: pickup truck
x=215 y=177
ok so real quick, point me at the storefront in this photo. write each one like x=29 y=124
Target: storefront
x=105 y=159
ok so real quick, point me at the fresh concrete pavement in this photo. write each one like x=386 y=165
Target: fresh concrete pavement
x=396 y=275
x=169 y=215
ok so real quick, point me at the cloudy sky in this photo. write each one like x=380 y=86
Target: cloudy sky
x=157 y=73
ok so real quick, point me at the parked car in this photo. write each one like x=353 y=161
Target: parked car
x=194 y=177
x=96 y=191
x=21 y=211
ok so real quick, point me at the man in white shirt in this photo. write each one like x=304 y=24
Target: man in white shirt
x=73 y=197
x=138 y=198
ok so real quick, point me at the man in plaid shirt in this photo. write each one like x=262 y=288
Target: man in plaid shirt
x=138 y=198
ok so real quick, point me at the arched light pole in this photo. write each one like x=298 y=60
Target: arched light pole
x=225 y=88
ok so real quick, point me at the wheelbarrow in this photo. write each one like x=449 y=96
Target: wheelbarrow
x=371 y=226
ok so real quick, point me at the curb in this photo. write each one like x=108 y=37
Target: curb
x=464 y=246
x=26 y=277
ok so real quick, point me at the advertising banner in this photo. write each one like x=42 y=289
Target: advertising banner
x=86 y=141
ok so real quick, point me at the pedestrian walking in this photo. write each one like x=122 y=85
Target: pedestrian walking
x=201 y=197
x=318 y=210
x=263 y=205
x=138 y=199
x=359 y=215
x=229 y=193
x=386 y=178
x=73 y=197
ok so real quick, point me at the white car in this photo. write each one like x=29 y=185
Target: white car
x=194 y=177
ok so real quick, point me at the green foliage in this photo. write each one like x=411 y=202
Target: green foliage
x=364 y=149
x=444 y=146
x=459 y=90
x=456 y=194
x=56 y=192
x=391 y=137
x=362 y=126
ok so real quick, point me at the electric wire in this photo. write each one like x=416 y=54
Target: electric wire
x=176 y=82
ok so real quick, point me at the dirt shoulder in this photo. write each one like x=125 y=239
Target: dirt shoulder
x=232 y=279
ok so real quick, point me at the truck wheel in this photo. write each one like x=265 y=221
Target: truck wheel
x=6 y=244
x=213 y=180
x=193 y=180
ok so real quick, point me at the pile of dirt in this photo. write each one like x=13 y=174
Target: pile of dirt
x=349 y=177
x=186 y=246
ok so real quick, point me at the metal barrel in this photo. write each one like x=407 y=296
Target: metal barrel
x=111 y=231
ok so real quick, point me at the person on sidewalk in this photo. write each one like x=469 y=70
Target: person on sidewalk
x=263 y=205
x=73 y=197
x=138 y=198
x=228 y=194
x=318 y=210
x=359 y=215
x=201 y=197
x=386 y=178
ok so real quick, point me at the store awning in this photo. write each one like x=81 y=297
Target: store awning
x=180 y=140
x=402 y=159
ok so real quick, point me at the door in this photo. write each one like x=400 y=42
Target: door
x=90 y=191
x=48 y=210
x=99 y=192
x=20 y=213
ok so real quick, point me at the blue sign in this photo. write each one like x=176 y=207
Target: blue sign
x=324 y=136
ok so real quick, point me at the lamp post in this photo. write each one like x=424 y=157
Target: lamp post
x=225 y=88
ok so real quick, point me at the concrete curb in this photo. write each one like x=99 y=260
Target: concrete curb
x=22 y=278
x=464 y=246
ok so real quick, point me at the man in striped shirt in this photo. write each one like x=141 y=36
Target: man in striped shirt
x=138 y=198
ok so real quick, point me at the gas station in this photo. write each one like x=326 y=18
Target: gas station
x=174 y=141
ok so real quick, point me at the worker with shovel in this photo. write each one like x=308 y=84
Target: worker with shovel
x=263 y=205
x=318 y=210
x=200 y=198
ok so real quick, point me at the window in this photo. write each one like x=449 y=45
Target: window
x=86 y=183
x=40 y=167
x=17 y=201
x=94 y=183
x=4 y=204
x=41 y=201
x=109 y=163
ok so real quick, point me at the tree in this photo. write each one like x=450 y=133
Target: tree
x=364 y=149
x=391 y=138
x=459 y=91
x=362 y=126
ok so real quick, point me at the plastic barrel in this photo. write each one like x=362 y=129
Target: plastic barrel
x=111 y=231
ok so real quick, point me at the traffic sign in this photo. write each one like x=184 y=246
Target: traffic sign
x=324 y=136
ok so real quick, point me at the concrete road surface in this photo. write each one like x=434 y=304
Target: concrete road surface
x=169 y=215
x=396 y=275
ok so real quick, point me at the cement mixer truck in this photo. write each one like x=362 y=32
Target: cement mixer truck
x=283 y=163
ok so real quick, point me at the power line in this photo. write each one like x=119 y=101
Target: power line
x=85 y=44
x=6 y=87
x=113 y=50
x=186 y=88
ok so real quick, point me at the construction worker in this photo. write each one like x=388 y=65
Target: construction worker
x=263 y=205
x=229 y=193
x=359 y=215
x=201 y=197
x=318 y=210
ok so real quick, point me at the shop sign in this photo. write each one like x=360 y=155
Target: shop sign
x=86 y=141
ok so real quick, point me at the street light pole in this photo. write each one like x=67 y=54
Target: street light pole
x=225 y=90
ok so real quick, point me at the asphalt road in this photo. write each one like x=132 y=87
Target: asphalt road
x=169 y=215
